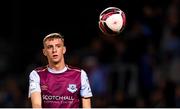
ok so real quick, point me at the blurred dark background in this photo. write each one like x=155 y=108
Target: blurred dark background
x=138 y=68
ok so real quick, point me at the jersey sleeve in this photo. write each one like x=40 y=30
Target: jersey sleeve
x=85 y=86
x=34 y=83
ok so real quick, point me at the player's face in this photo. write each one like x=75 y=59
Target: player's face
x=54 y=49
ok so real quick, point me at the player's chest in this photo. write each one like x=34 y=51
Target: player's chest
x=60 y=84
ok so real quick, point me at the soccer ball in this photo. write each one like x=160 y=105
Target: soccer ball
x=112 y=21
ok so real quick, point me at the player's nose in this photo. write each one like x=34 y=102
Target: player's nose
x=54 y=50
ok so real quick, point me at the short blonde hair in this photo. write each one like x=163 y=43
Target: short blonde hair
x=53 y=35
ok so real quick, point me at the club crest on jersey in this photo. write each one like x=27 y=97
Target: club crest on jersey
x=72 y=88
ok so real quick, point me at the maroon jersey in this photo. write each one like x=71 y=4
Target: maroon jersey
x=60 y=90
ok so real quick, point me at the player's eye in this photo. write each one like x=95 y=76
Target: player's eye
x=49 y=47
x=58 y=46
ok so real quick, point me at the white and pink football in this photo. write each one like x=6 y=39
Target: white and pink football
x=112 y=21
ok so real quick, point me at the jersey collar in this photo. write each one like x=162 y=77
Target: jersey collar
x=56 y=71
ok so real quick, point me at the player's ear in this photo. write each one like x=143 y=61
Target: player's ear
x=44 y=52
x=64 y=50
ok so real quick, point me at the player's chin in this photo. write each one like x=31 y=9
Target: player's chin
x=56 y=60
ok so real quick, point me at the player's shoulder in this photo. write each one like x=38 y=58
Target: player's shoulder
x=73 y=68
x=40 y=69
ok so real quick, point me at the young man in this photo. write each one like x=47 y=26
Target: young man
x=57 y=85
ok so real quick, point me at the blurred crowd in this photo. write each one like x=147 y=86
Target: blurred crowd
x=138 y=68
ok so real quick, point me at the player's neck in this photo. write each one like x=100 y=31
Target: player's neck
x=56 y=66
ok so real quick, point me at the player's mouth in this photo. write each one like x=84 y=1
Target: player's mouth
x=55 y=56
